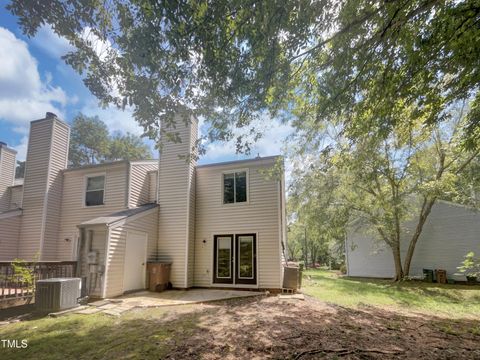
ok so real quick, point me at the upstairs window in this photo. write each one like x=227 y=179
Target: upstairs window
x=95 y=190
x=235 y=187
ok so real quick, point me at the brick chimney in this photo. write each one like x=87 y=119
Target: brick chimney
x=7 y=174
x=176 y=198
x=47 y=156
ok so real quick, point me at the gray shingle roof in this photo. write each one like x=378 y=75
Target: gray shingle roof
x=117 y=216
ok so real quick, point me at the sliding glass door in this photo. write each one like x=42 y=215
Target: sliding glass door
x=234 y=259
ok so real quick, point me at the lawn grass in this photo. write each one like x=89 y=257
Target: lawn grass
x=262 y=327
x=456 y=301
x=137 y=334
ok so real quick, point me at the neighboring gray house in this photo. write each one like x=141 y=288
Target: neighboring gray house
x=451 y=231
x=219 y=224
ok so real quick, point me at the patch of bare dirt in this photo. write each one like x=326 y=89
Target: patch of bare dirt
x=268 y=327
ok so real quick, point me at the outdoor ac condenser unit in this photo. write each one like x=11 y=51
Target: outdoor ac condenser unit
x=57 y=294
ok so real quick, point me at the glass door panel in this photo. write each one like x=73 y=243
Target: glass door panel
x=245 y=259
x=223 y=259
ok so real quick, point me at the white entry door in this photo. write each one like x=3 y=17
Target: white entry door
x=135 y=261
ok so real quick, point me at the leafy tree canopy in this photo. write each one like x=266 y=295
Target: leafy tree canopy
x=380 y=183
x=321 y=62
x=20 y=169
x=88 y=140
x=317 y=222
x=90 y=143
x=127 y=147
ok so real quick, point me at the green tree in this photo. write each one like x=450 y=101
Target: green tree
x=89 y=140
x=295 y=243
x=467 y=186
x=385 y=181
x=127 y=147
x=90 y=143
x=20 y=170
x=319 y=221
x=322 y=62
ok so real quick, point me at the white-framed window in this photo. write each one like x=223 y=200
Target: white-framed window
x=235 y=187
x=94 y=190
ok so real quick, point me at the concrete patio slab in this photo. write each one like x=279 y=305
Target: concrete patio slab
x=145 y=299
x=89 y=310
x=182 y=297
x=108 y=306
x=99 y=303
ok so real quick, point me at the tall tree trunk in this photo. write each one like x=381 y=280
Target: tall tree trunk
x=313 y=256
x=305 y=254
x=399 y=274
x=424 y=212
x=395 y=246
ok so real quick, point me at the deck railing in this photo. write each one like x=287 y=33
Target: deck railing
x=13 y=286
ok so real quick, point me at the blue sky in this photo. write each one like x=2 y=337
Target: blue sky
x=34 y=79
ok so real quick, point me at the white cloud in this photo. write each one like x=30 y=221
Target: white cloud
x=23 y=95
x=114 y=118
x=22 y=148
x=272 y=142
x=117 y=120
x=100 y=47
x=51 y=43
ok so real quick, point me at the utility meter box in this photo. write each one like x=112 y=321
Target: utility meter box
x=96 y=268
x=92 y=257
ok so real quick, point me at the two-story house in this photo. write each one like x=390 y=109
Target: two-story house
x=219 y=225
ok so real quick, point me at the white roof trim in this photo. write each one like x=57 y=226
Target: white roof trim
x=132 y=218
x=11 y=213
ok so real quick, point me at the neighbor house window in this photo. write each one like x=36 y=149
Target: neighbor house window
x=235 y=187
x=95 y=190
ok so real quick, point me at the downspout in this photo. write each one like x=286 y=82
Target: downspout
x=129 y=179
x=189 y=189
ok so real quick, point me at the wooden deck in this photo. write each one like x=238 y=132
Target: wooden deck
x=13 y=286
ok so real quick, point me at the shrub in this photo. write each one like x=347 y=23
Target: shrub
x=470 y=266
x=23 y=273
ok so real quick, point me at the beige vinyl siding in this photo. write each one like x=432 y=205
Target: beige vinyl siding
x=58 y=162
x=116 y=253
x=260 y=215
x=16 y=196
x=152 y=186
x=283 y=226
x=74 y=211
x=7 y=175
x=9 y=234
x=140 y=182
x=36 y=184
x=115 y=262
x=451 y=231
x=175 y=177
